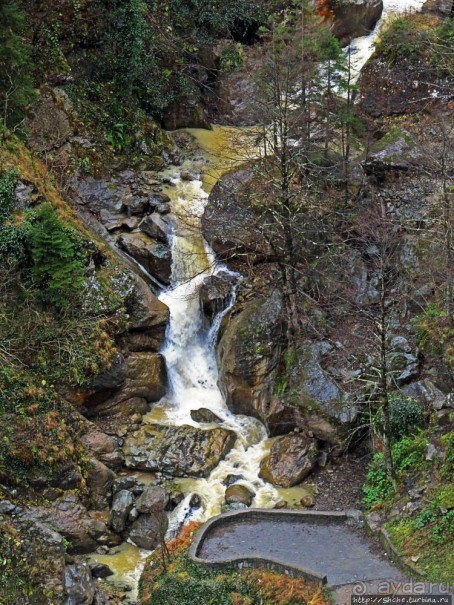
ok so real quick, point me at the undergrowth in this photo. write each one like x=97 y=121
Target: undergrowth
x=186 y=583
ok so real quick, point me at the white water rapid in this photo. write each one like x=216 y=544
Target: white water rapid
x=362 y=48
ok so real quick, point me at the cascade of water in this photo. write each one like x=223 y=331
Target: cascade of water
x=191 y=359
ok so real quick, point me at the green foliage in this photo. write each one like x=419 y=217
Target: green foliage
x=400 y=39
x=232 y=57
x=377 y=487
x=16 y=89
x=58 y=264
x=406 y=416
x=408 y=456
x=128 y=39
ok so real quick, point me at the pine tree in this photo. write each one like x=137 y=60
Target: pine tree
x=57 y=269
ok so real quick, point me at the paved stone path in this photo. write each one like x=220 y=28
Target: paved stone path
x=336 y=549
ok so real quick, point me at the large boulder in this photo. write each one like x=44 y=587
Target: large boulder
x=146 y=383
x=158 y=227
x=104 y=447
x=205 y=415
x=148 y=531
x=179 y=451
x=149 y=319
x=229 y=222
x=71 y=519
x=239 y=494
x=122 y=504
x=99 y=482
x=291 y=459
x=248 y=353
x=153 y=500
x=154 y=256
x=354 y=18
x=186 y=112
x=314 y=390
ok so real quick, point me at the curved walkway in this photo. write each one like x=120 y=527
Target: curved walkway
x=321 y=546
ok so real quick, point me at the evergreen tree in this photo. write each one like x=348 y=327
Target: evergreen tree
x=16 y=88
x=57 y=270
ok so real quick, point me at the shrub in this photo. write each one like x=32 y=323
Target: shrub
x=406 y=416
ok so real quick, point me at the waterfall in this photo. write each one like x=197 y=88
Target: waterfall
x=190 y=356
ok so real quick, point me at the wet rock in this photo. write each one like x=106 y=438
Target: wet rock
x=204 y=415
x=149 y=530
x=308 y=501
x=185 y=175
x=99 y=482
x=179 y=451
x=231 y=479
x=149 y=318
x=239 y=493
x=157 y=227
x=175 y=500
x=281 y=504
x=122 y=504
x=153 y=500
x=152 y=255
x=146 y=382
x=214 y=294
x=101 y=570
x=354 y=18
x=229 y=223
x=195 y=501
x=79 y=584
x=291 y=459
x=160 y=203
